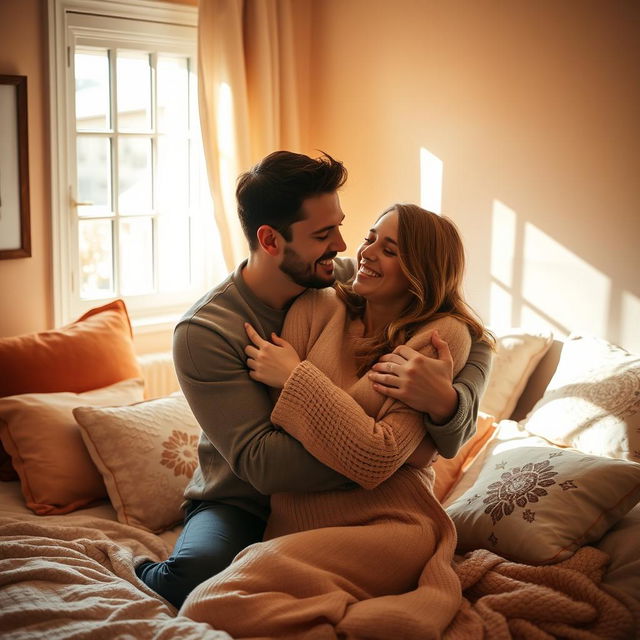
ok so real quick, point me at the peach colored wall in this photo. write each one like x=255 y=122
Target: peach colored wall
x=25 y=283
x=532 y=108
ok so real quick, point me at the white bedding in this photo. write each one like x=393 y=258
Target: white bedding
x=72 y=576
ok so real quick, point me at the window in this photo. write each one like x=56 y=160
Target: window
x=132 y=211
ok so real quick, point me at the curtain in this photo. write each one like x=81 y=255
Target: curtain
x=248 y=97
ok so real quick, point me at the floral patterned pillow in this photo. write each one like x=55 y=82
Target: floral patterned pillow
x=592 y=403
x=146 y=453
x=538 y=505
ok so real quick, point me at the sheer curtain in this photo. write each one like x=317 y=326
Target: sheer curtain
x=248 y=96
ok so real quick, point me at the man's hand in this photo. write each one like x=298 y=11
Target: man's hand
x=423 y=383
x=270 y=362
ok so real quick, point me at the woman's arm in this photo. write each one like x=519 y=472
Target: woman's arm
x=336 y=430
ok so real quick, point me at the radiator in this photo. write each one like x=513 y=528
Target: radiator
x=159 y=374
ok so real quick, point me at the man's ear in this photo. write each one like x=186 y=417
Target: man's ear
x=270 y=240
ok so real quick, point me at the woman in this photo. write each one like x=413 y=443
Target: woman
x=372 y=562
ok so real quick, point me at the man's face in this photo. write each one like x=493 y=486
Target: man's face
x=315 y=242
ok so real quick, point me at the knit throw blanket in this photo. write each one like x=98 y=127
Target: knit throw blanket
x=504 y=600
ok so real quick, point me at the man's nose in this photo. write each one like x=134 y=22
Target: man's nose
x=339 y=243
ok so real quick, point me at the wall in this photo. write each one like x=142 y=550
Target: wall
x=532 y=108
x=26 y=302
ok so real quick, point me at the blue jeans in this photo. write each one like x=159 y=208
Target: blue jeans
x=214 y=533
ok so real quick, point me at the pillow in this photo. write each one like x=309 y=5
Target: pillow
x=41 y=435
x=517 y=355
x=147 y=453
x=93 y=352
x=449 y=471
x=538 y=505
x=592 y=402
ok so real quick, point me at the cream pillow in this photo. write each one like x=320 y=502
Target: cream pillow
x=147 y=453
x=43 y=439
x=592 y=403
x=538 y=505
x=517 y=355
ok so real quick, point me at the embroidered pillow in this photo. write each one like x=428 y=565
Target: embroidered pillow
x=517 y=355
x=40 y=434
x=538 y=505
x=592 y=403
x=146 y=453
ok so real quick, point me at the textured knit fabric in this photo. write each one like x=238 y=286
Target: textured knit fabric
x=243 y=458
x=334 y=559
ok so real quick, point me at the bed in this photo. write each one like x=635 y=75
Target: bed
x=545 y=496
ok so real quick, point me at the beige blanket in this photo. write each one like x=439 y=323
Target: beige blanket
x=72 y=577
x=504 y=600
x=76 y=580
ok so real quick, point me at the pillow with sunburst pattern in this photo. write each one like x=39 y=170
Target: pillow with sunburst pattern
x=538 y=505
x=146 y=453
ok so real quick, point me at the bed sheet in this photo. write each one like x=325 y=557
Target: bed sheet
x=72 y=576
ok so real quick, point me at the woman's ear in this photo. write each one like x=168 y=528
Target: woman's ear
x=270 y=240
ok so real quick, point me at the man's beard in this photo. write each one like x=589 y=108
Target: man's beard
x=303 y=273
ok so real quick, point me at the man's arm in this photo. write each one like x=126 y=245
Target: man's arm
x=450 y=408
x=233 y=411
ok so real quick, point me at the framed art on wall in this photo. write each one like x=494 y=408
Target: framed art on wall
x=15 y=230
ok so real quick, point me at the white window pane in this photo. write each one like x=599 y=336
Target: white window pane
x=134 y=175
x=136 y=256
x=92 y=90
x=133 y=73
x=96 y=258
x=175 y=253
x=173 y=176
x=93 y=156
x=173 y=94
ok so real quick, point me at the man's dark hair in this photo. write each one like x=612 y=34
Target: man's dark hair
x=273 y=190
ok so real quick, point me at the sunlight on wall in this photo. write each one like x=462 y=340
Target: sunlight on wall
x=630 y=322
x=558 y=282
x=431 y=169
x=537 y=283
x=503 y=242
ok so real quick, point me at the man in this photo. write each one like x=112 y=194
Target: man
x=290 y=213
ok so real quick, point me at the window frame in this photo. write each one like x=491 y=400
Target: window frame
x=154 y=311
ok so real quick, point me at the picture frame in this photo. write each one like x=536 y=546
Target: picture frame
x=15 y=217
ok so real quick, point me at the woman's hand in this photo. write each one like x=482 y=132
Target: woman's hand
x=270 y=362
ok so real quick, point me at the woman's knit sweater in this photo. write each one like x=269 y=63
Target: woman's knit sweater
x=337 y=415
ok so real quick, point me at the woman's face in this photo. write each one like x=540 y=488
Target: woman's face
x=379 y=277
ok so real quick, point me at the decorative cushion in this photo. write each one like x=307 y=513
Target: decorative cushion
x=147 y=453
x=449 y=471
x=93 y=352
x=592 y=403
x=538 y=505
x=517 y=355
x=44 y=442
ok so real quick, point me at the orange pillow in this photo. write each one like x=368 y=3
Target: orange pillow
x=43 y=438
x=449 y=471
x=94 y=351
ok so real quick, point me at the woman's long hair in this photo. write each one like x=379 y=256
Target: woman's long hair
x=432 y=259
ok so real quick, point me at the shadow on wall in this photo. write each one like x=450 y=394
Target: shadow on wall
x=536 y=282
